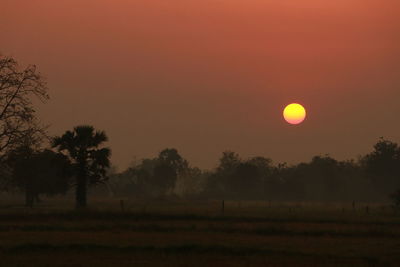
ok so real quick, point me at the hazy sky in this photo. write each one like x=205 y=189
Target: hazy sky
x=205 y=76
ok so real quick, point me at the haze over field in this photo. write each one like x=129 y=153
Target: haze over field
x=206 y=76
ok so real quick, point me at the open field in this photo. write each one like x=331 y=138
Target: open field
x=180 y=233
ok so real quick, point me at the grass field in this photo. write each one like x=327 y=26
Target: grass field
x=180 y=233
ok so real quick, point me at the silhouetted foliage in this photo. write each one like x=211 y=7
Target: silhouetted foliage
x=321 y=179
x=235 y=178
x=170 y=157
x=246 y=180
x=382 y=166
x=39 y=172
x=191 y=182
x=169 y=165
x=218 y=183
x=83 y=146
x=156 y=177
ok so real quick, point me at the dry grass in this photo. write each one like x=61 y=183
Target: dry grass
x=197 y=234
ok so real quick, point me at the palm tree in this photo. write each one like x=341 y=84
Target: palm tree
x=83 y=146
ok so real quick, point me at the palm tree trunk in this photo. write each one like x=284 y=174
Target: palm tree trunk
x=81 y=187
x=81 y=192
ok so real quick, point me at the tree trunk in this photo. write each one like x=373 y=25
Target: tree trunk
x=81 y=187
x=81 y=192
x=28 y=198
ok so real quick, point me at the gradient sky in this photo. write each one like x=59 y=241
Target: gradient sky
x=205 y=76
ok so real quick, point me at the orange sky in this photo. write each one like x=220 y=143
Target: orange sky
x=210 y=75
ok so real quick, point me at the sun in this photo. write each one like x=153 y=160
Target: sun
x=294 y=113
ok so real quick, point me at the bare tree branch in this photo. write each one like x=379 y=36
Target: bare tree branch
x=18 y=123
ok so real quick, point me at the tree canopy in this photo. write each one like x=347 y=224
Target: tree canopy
x=83 y=146
x=39 y=172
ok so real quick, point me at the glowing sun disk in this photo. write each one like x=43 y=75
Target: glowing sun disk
x=294 y=113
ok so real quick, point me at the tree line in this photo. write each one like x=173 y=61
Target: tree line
x=373 y=177
x=37 y=164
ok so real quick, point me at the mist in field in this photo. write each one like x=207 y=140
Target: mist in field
x=155 y=133
x=169 y=176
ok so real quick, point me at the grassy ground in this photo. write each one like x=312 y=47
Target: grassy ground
x=198 y=234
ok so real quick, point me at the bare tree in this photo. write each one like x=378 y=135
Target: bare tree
x=18 y=123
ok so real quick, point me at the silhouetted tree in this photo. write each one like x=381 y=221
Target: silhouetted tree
x=137 y=180
x=245 y=181
x=190 y=182
x=171 y=157
x=290 y=182
x=39 y=172
x=125 y=183
x=164 y=178
x=228 y=162
x=154 y=177
x=237 y=178
x=264 y=165
x=382 y=166
x=217 y=185
x=83 y=146
x=17 y=114
x=265 y=170
x=321 y=179
x=169 y=165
